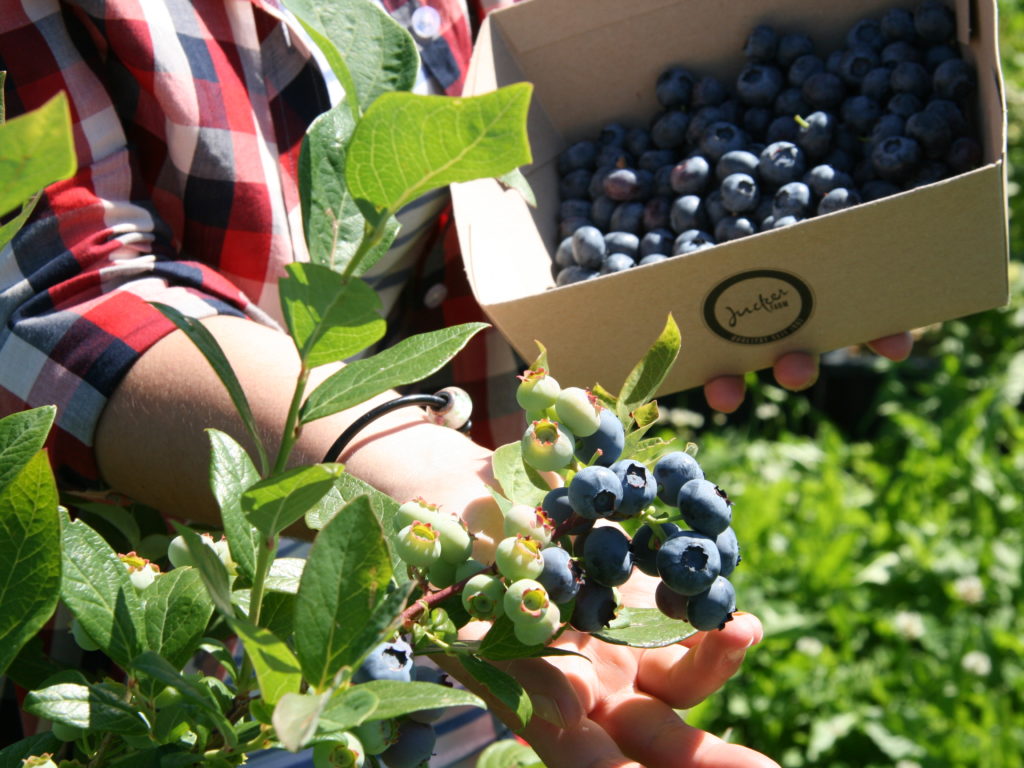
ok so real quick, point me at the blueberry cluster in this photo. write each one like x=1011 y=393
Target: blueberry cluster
x=802 y=133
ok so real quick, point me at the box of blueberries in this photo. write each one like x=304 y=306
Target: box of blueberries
x=778 y=175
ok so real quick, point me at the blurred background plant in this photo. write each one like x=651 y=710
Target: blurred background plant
x=882 y=516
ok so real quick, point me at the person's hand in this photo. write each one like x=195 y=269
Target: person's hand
x=796 y=371
x=616 y=708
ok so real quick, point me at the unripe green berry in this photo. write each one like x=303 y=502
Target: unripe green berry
x=547 y=446
x=65 y=731
x=416 y=509
x=537 y=390
x=346 y=753
x=482 y=595
x=526 y=600
x=525 y=520
x=579 y=411
x=178 y=554
x=418 y=544
x=141 y=572
x=540 y=631
x=456 y=541
x=441 y=574
x=519 y=557
x=82 y=638
x=467 y=569
x=377 y=735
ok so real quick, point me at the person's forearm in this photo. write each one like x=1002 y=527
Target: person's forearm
x=151 y=444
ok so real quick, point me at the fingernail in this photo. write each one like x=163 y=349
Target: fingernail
x=736 y=656
x=547 y=709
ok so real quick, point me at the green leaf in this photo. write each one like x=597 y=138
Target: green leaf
x=275 y=503
x=210 y=349
x=96 y=587
x=178 y=609
x=329 y=318
x=333 y=224
x=541 y=361
x=12 y=755
x=368 y=50
x=295 y=718
x=211 y=570
x=285 y=573
x=408 y=361
x=500 y=644
x=231 y=474
x=22 y=436
x=515 y=179
x=86 y=706
x=503 y=686
x=345 y=578
x=36 y=149
x=277 y=669
x=278 y=613
x=515 y=480
x=347 y=709
x=408 y=144
x=646 y=628
x=643 y=381
x=400 y=698
x=10 y=228
x=30 y=561
x=508 y=753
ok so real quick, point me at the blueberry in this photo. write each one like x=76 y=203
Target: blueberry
x=613 y=156
x=856 y=63
x=783 y=128
x=687 y=213
x=670 y=603
x=964 y=155
x=801 y=69
x=708 y=92
x=414 y=746
x=910 y=77
x=834 y=60
x=669 y=129
x=841 y=159
x=823 y=90
x=791 y=199
x=936 y=54
x=566 y=227
x=837 y=199
x=785 y=221
x=934 y=22
x=627 y=217
x=719 y=138
x=950 y=113
x=663 y=181
x=595 y=188
x=888 y=125
x=898 y=24
x=762 y=44
x=606 y=556
x=388 y=661
x=692 y=240
x=645 y=546
x=421 y=673
x=601 y=211
x=616 y=262
x=651 y=258
x=953 y=79
x=737 y=161
x=734 y=227
x=758 y=84
x=712 y=608
x=875 y=84
x=574 y=208
x=930 y=131
x=689 y=562
x=860 y=112
x=740 y=193
x=815 y=132
x=638 y=487
x=622 y=242
x=595 y=607
x=728 y=550
x=714 y=208
x=561 y=575
x=657 y=212
x=866 y=32
x=574 y=274
x=674 y=87
x=930 y=172
x=612 y=134
x=638 y=141
x=690 y=176
x=588 y=247
x=705 y=507
x=622 y=184
x=657 y=241
x=792 y=46
x=877 y=189
x=653 y=159
x=756 y=121
x=896 y=158
x=824 y=178
x=782 y=162
x=609 y=439
x=595 y=492
x=563 y=254
x=556 y=505
x=731 y=111
x=575 y=183
x=904 y=104
x=898 y=52
x=582 y=154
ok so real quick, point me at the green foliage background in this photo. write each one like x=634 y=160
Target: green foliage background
x=884 y=552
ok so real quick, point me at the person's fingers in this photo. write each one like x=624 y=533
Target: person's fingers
x=796 y=371
x=684 y=676
x=896 y=347
x=649 y=731
x=586 y=745
x=725 y=393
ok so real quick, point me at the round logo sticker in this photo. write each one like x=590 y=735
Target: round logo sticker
x=758 y=307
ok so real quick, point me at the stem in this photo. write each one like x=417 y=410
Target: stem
x=264 y=558
x=370 y=239
x=411 y=614
x=292 y=427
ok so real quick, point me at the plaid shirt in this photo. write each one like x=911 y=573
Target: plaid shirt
x=188 y=118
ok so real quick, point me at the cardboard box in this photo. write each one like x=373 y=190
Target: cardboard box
x=932 y=254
